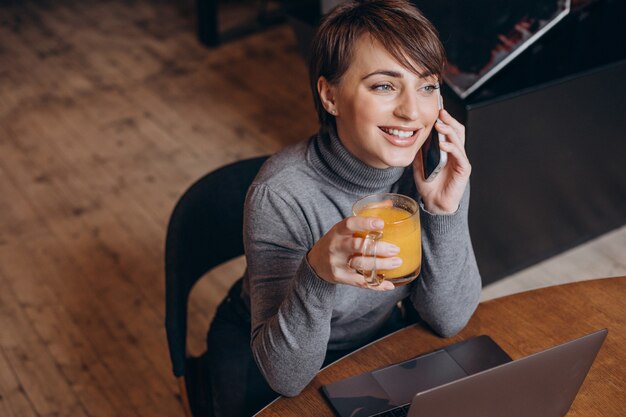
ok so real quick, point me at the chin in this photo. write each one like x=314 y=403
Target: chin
x=401 y=159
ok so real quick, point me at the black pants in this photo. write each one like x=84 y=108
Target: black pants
x=237 y=386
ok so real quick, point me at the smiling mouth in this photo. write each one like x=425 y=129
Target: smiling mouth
x=401 y=134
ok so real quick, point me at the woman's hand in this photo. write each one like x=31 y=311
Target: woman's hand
x=443 y=194
x=336 y=256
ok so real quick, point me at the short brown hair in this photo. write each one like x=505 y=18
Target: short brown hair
x=398 y=25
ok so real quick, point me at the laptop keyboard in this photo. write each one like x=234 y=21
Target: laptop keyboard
x=401 y=411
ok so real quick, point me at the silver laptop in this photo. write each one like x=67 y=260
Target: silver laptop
x=474 y=378
x=481 y=38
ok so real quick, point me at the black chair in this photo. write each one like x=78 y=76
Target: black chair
x=205 y=230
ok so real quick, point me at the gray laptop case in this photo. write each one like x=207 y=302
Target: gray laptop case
x=471 y=378
x=393 y=386
x=544 y=384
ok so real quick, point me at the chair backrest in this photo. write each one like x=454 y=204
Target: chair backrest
x=205 y=230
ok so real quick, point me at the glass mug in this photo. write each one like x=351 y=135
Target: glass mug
x=402 y=228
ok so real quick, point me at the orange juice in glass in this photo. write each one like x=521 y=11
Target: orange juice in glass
x=402 y=228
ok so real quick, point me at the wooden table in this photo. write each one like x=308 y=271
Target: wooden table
x=521 y=324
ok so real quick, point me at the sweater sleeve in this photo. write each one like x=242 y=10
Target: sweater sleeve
x=448 y=289
x=290 y=305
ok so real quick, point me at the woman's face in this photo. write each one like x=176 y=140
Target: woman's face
x=384 y=112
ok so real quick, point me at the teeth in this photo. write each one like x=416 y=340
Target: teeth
x=399 y=133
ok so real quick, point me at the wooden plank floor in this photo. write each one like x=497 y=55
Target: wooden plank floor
x=108 y=111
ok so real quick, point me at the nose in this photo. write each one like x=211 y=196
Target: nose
x=407 y=106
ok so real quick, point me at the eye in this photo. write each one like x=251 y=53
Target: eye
x=382 y=87
x=429 y=89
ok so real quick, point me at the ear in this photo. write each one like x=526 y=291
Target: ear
x=327 y=93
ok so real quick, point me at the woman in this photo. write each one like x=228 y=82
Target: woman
x=375 y=71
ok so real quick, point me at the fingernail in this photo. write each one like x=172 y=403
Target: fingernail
x=378 y=224
x=396 y=262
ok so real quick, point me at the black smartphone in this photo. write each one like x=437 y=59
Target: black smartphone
x=434 y=159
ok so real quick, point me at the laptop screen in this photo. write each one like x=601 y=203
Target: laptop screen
x=542 y=384
x=482 y=36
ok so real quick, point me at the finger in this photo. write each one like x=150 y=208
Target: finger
x=358 y=280
x=354 y=245
x=368 y=263
x=384 y=249
x=354 y=224
x=458 y=154
x=352 y=277
x=450 y=134
x=447 y=118
x=383 y=286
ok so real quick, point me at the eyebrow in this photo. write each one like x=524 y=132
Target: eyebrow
x=393 y=74
x=389 y=73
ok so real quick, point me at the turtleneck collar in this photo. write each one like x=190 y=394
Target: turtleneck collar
x=332 y=160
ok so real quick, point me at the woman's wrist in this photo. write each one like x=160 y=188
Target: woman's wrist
x=439 y=210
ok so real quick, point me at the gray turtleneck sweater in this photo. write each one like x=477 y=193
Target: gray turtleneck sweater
x=298 y=195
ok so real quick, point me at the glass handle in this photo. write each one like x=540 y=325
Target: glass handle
x=369 y=250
